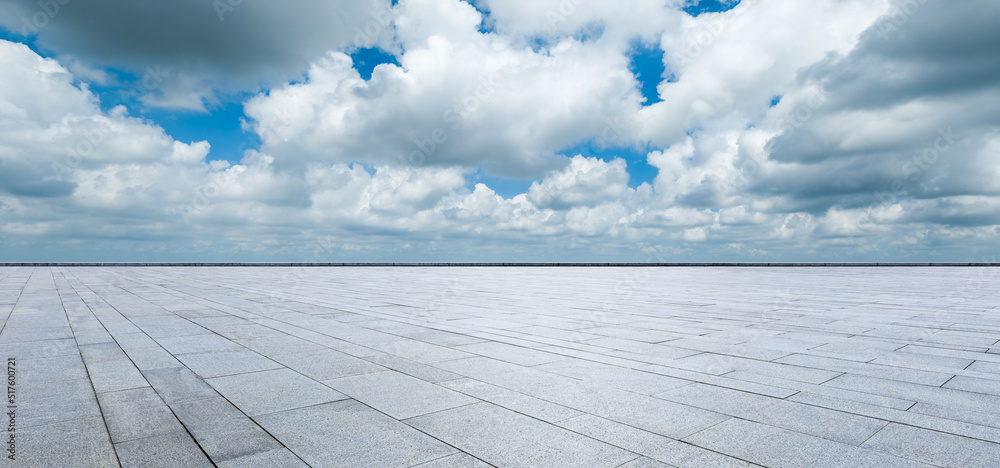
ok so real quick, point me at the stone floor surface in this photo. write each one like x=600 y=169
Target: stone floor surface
x=507 y=367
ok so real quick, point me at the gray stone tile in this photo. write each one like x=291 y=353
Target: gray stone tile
x=950 y=351
x=85 y=337
x=280 y=344
x=41 y=349
x=152 y=358
x=136 y=340
x=458 y=460
x=985 y=366
x=280 y=458
x=859 y=397
x=18 y=335
x=112 y=376
x=721 y=400
x=419 y=351
x=632 y=380
x=774 y=447
x=102 y=352
x=829 y=424
x=924 y=393
x=220 y=363
x=651 y=445
x=136 y=414
x=439 y=337
x=178 y=385
x=412 y=368
x=557 y=333
x=168 y=450
x=56 y=402
x=973 y=384
x=327 y=364
x=911 y=418
x=222 y=430
x=197 y=344
x=868 y=370
x=922 y=361
x=652 y=414
x=347 y=433
x=398 y=394
x=504 y=438
x=770 y=369
x=987 y=417
x=639 y=348
x=232 y=439
x=274 y=390
x=524 y=404
x=563 y=343
x=74 y=443
x=643 y=462
x=514 y=354
x=722 y=381
x=821 y=422
x=66 y=367
x=936 y=448
x=515 y=377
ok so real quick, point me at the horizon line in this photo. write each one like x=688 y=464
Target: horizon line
x=499 y=264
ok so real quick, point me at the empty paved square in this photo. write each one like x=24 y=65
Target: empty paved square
x=514 y=366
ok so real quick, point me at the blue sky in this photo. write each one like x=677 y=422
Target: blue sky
x=551 y=130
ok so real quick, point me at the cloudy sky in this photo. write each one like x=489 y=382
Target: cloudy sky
x=499 y=130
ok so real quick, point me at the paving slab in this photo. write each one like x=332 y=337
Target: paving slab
x=222 y=430
x=152 y=358
x=515 y=354
x=935 y=448
x=137 y=414
x=458 y=460
x=654 y=446
x=327 y=364
x=270 y=391
x=421 y=371
x=974 y=384
x=347 y=433
x=514 y=366
x=399 y=395
x=55 y=401
x=178 y=385
x=219 y=363
x=771 y=446
x=168 y=450
x=80 y=443
x=502 y=437
x=279 y=458
x=984 y=417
